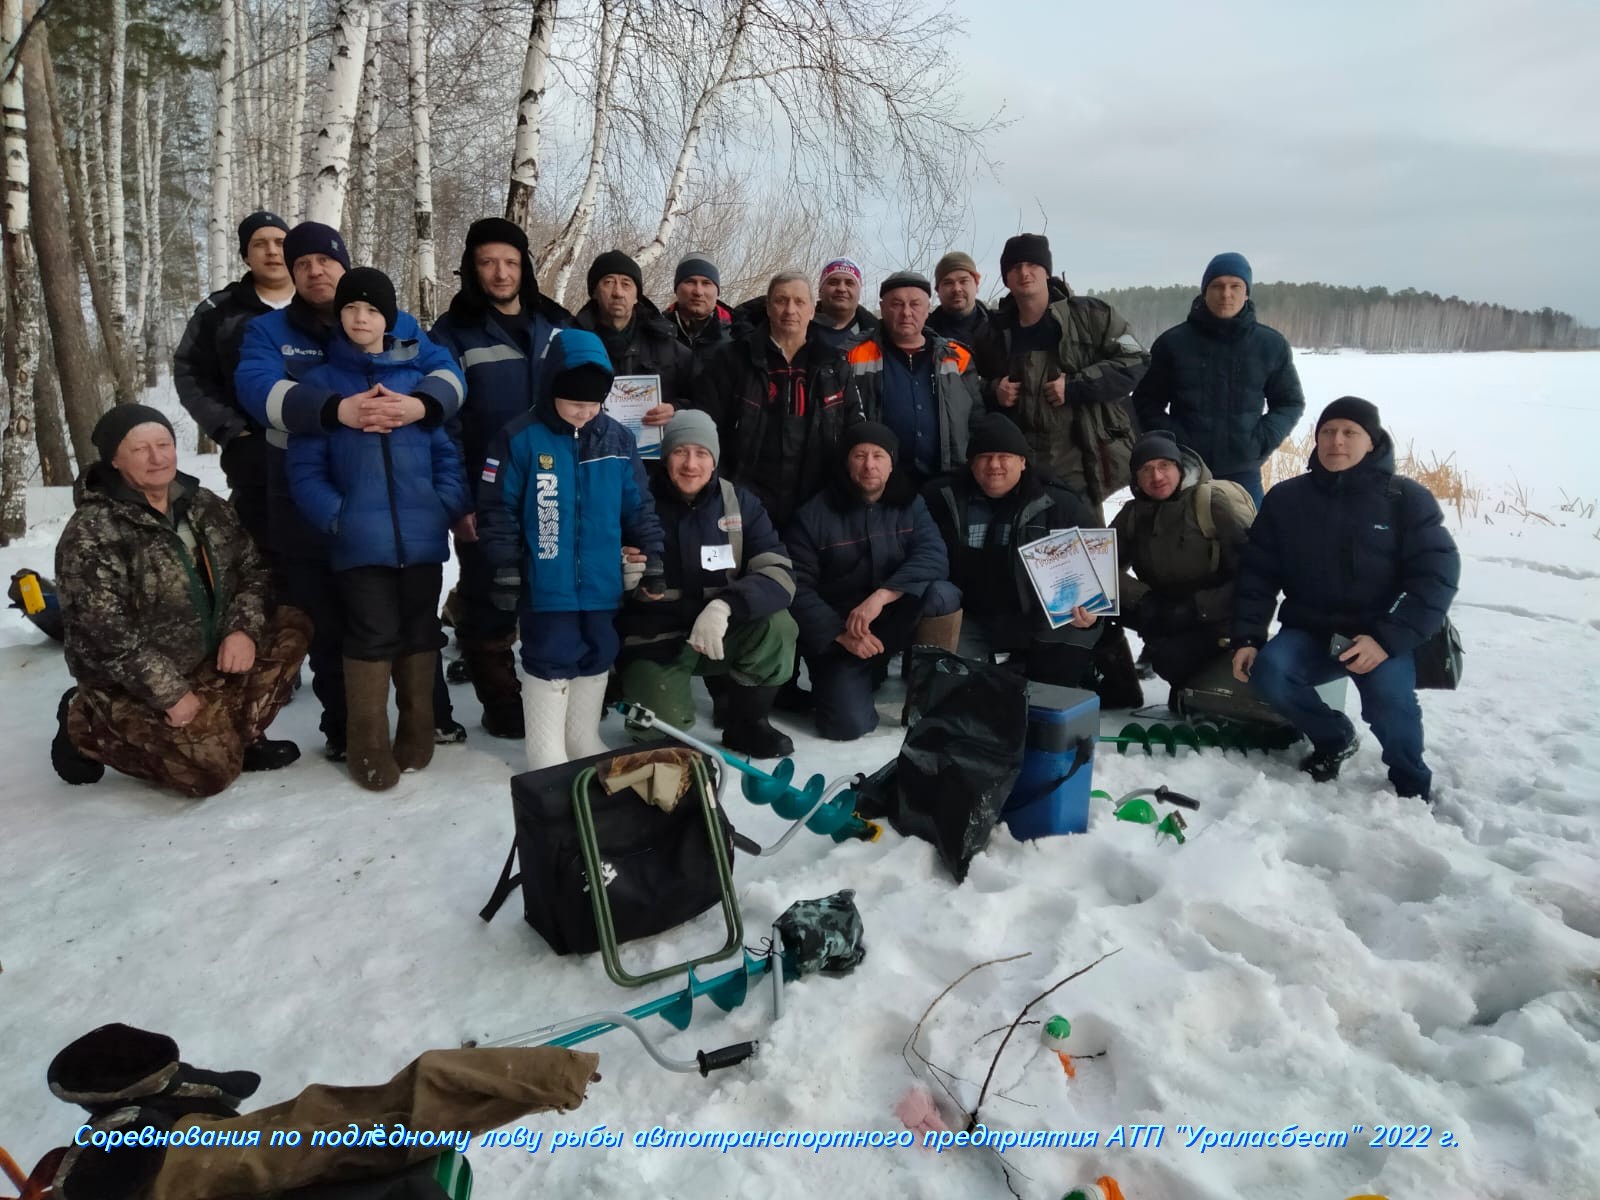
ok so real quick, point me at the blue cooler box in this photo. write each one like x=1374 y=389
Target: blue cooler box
x=1051 y=795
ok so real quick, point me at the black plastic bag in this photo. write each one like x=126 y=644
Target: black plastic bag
x=961 y=755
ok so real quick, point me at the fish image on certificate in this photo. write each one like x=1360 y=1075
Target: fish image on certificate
x=631 y=397
x=1101 y=546
x=1062 y=575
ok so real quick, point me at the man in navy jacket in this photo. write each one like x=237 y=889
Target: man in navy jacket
x=871 y=576
x=498 y=327
x=279 y=348
x=1360 y=555
x=1210 y=376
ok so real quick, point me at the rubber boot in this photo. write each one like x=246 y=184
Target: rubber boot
x=413 y=693
x=367 y=749
x=944 y=632
x=585 y=705
x=544 y=713
x=748 y=730
x=492 y=667
x=73 y=767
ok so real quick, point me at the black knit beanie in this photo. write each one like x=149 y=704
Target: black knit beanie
x=313 y=237
x=120 y=421
x=1353 y=408
x=695 y=265
x=370 y=285
x=614 y=262
x=257 y=221
x=1158 y=443
x=997 y=434
x=1025 y=248
x=870 y=432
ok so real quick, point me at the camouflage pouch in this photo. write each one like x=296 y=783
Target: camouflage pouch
x=823 y=935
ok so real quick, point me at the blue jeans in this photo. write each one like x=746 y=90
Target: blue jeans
x=1287 y=672
x=1250 y=481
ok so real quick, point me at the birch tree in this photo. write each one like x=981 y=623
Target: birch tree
x=116 y=219
x=421 y=157
x=58 y=263
x=222 y=149
x=561 y=254
x=367 y=119
x=300 y=36
x=343 y=86
x=530 y=114
x=22 y=289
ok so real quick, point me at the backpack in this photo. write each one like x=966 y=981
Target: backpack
x=1237 y=501
x=1439 y=659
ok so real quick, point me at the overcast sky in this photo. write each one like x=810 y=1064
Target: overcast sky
x=1451 y=146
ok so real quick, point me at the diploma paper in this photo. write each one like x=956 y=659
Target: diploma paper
x=631 y=397
x=1101 y=546
x=1062 y=575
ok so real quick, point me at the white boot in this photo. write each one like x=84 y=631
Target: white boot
x=587 y=702
x=544 y=716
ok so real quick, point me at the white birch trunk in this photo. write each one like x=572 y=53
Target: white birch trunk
x=250 y=134
x=332 y=155
x=530 y=115
x=116 y=221
x=22 y=284
x=421 y=156
x=366 y=222
x=94 y=133
x=673 y=204
x=563 y=250
x=141 y=191
x=222 y=152
x=151 y=329
x=299 y=34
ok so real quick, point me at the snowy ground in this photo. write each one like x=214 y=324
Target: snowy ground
x=1328 y=957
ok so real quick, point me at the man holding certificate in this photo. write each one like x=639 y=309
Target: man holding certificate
x=985 y=512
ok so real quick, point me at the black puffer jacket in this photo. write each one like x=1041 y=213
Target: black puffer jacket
x=780 y=436
x=207 y=354
x=1352 y=552
x=1207 y=383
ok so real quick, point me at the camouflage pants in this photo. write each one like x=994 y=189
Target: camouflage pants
x=205 y=756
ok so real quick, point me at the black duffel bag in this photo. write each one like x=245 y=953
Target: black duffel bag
x=657 y=866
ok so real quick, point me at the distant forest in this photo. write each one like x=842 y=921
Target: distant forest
x=1320 y=316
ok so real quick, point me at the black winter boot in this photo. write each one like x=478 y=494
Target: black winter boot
x=265 y=755
x=73 y=767
x=748 y=730
x=1323 y=765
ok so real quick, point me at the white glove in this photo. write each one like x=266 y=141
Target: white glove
x=709 y=626
x=632 y=572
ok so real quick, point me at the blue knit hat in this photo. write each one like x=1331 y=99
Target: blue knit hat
x=1229 y=263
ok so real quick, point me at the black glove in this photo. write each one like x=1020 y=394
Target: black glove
x=655 y=583
x=117 y=1067
x=505 y=591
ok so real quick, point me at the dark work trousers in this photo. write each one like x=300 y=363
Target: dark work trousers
x=309 y=585
x=478 y=620
x=391 y=612
x=842 y=684
x=569 y=645
x=244 y=465
x=1177 y=657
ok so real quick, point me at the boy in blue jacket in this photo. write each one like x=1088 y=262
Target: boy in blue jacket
x=387 y=501
x=562 y=491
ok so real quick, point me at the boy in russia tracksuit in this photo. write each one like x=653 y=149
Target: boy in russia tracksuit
x=562 y=491
x=387 y=500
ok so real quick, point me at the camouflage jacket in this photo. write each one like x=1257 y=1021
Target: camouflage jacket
x=142 y=613
x=1086 y=441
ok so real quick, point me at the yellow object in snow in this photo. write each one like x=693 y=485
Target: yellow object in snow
x=32 y=595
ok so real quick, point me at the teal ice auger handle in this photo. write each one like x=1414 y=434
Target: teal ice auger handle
x=828 y=809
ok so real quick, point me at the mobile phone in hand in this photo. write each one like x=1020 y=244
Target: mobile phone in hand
x=1338 y=644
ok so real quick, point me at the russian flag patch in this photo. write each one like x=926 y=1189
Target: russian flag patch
x=491 y=468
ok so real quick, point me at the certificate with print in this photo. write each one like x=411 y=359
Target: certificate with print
x=631 y=397
x=1101 y=547
x=1062 y=575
